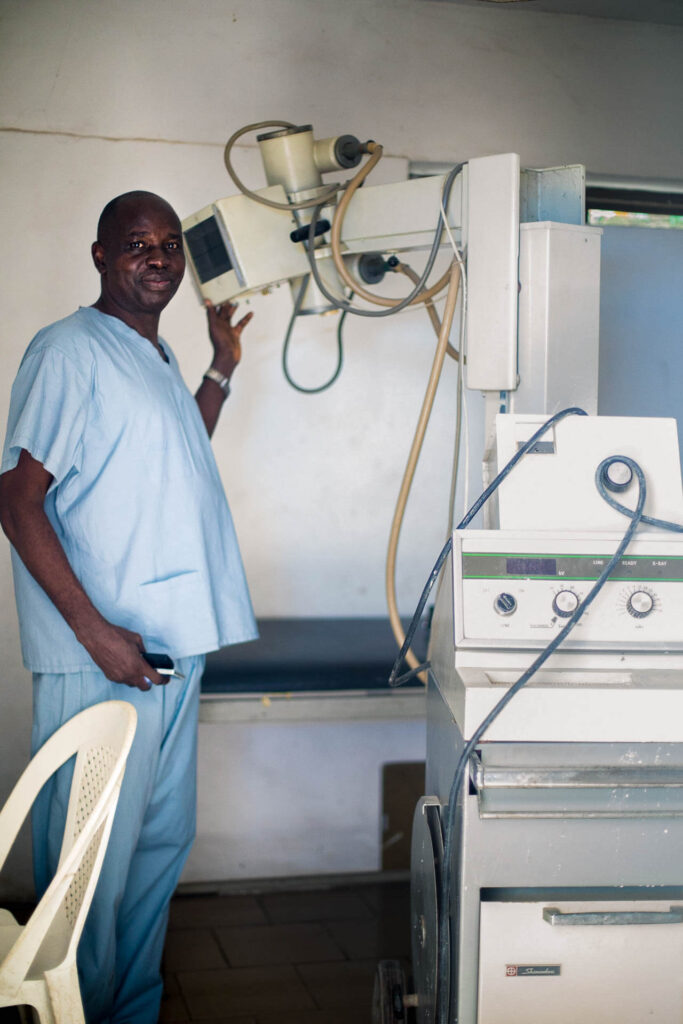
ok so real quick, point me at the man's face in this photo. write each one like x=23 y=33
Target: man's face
x=140 y=258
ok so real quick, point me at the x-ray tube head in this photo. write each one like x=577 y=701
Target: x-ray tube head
x=289 y=159
x=294 y=159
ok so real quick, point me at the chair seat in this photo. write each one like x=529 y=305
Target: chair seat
x=9 y=933
x=49 y=955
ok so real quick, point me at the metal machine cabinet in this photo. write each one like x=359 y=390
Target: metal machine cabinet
x=565 y=900
x=567 y=827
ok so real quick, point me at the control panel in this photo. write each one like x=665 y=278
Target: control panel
x=517 y=590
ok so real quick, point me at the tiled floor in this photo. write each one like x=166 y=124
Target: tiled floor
x=294 y=957
x=290 y=957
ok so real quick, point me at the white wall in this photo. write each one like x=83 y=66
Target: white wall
x=295 y=798
x=98 y=98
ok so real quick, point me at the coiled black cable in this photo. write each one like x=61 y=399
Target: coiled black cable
x=600 y=474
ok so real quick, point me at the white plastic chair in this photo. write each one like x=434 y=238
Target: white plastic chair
x=38 y=960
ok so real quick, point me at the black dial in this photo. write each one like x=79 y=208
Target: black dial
x=505 y=604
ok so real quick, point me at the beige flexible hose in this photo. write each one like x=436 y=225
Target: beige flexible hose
x=455 y=354
x=375 y=151
x=450 y=278
x=416 y=447
x=404 y=268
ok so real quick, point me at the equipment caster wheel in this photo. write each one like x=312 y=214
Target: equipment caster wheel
x=388 y=998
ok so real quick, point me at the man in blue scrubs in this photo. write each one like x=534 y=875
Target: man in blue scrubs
x=122 y=542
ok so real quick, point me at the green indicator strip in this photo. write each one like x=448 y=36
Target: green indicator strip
x=535 y=554
x=577 y=579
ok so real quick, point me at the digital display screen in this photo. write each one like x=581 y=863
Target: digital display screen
x=492 y=565
x=531 y=566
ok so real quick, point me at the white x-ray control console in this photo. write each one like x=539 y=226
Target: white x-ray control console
x=514 y=590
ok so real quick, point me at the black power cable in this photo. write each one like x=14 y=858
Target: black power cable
x=602 y=486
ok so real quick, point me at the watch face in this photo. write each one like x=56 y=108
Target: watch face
x=218 y=378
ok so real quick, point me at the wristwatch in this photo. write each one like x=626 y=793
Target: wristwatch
x=218 y=378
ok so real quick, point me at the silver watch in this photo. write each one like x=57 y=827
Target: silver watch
x=218 y=378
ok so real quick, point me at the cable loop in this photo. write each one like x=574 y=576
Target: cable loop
x=661 y=524
x=285 y=348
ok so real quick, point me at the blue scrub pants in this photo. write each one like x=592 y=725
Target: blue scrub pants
x=119 y=955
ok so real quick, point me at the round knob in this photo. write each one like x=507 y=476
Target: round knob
x=565 y=603
x=617 y=475
x=505 y=604
x=640 y=604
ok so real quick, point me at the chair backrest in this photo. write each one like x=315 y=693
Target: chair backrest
x=105 y=729
x=100 y=737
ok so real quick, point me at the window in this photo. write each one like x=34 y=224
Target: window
x=620 y=206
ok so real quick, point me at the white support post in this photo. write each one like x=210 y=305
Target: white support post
x=492 y=236
x=559 y=318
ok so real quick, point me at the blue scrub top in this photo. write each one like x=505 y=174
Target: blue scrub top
x=136 y=501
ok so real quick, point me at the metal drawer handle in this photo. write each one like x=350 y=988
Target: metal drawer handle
x=491 y=777
x=674 y=915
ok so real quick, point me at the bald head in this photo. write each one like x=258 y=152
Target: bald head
x=125 y=205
